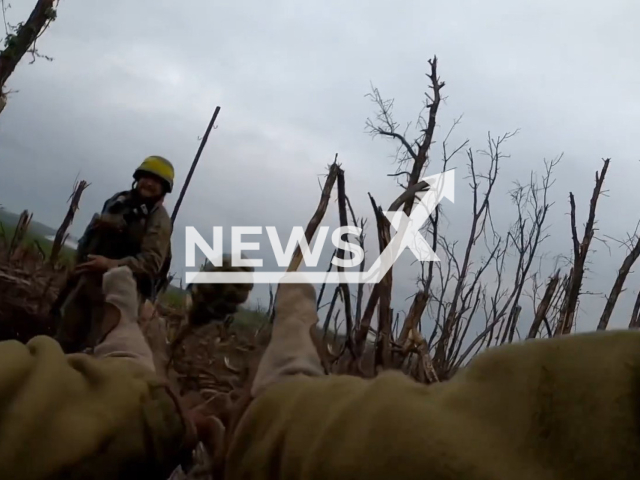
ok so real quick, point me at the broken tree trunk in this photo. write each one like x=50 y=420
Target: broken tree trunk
x=20 y=232
x=383 y=340
x=635 y=315
x=346 y=293
x=17 y=45
x=383 y=225
x=423 y=351
x=543 y=307
x=580 y=251
x=413 y=317
x=324 y=285
x=317 y=217
x=365 y=322
x=327 y=322
x=61 y=234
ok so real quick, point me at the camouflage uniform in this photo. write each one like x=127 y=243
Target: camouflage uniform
x=140 y=238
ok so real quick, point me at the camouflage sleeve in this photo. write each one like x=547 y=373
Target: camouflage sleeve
x=74 y=416
x=565 y=408
x=155 y=246
x=83 y=242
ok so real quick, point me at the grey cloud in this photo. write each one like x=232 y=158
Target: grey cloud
x=144 y=77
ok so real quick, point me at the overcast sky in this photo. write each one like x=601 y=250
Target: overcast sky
x=137 y=78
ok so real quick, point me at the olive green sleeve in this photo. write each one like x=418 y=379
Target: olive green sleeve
x=154 y=248
x=78 y=417
x=567 y=408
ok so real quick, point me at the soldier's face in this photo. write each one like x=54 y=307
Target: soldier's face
x=149 y=187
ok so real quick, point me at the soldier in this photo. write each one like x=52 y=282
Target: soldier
x=133 y=230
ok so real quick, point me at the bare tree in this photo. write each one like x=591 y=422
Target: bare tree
x=527 y=234
x=346 y=293
x=543 y=307
x=383 y=352
x=420 y=300
x=416 y=152
x=580 y=251
x=461 y=294
x=362 y=223
x=460 y=302
x=502 y=309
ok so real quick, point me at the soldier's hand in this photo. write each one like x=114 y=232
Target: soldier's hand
x=96 y=263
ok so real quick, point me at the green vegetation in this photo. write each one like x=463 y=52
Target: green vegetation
x=10 y=219
x=173 y=297
x=250 y=317
x=32 y=238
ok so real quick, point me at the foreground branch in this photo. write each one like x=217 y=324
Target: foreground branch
x=61 y=234
x=317 y=217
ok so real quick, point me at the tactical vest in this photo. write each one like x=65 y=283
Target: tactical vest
x=126 y=242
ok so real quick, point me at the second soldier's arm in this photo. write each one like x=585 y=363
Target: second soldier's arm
x=83 y=243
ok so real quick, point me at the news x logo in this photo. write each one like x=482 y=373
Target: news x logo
x=407 y=236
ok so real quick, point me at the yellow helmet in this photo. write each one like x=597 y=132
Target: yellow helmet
x=158 y=166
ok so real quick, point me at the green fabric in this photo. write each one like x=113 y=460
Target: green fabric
x=77 y=417
x=567 y=408
x=142 y=243
x=154 y=245
x=82 y=314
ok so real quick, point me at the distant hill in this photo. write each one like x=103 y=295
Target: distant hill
x=10 y=220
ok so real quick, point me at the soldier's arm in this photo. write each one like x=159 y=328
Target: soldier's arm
x=155 y=247
x=74 y=416
x=83 y=242
x=565 y=408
